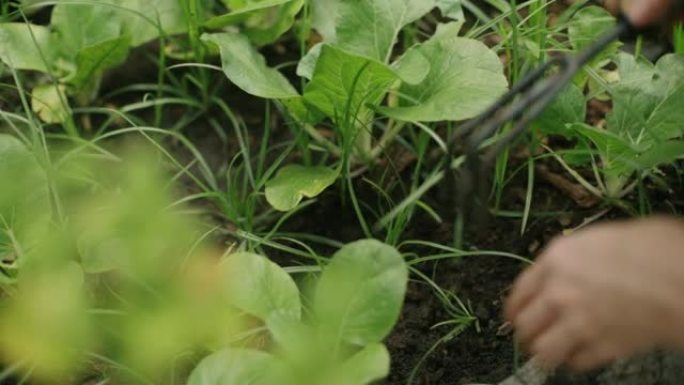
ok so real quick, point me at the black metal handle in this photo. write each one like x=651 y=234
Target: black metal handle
x=525 y=101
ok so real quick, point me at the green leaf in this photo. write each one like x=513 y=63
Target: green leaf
x=267 y=26
x=307 y=65
x=294 y=182
x=569 y=107
x=259 y=287
x=617 y=154
x=648 y=103
x=452 y=9
x=91 y=61
x=465 y=78
x=413 y=67
x=50 y=103
x=263 y=21
x=324 y=14
x=240 y=367
x=370 y=28
x=370 y=364
x=301 y=112
x=78 y=26
x=143 y=19
x=360 y=293
x=241 y=14
x=24 y=197
x=247 y=68
x=19 y=50
x=587 y=25
x=660 y=154
x=343 y=84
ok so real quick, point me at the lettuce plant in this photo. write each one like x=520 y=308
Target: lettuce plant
x=354 y=76
x=81 y=42
x=336 y=339
x=642 y=132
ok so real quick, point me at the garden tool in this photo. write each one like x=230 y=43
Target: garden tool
x=525 y=101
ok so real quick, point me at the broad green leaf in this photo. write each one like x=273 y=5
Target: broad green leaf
x=617 y=154
x=343 y=84
x=324 y=14
x=259 y=287
x=91 y=61
x=452 y=9
x=648 y=102
x=465 y=78
x=241 y=14
x=660 y=154
x=295 y=341
x=143 y=19
x=370 y=28
x=78 y=26
x=50 y=103
x=307 y=65
x=267 y=26
x=587 y=25
x=370 y=364
x=360 y=293
x=569 y=107
x=240 y=367
x=26 y=46
x=634 y=98
x=24 y=197
x=667 y=120
x=301 y=112
x=247 y=68
x=412 y=67
x=294 y=182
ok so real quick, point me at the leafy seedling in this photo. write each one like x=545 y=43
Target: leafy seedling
x=81 y=42
x=640 y=134
x=355 y=304
x=353 y=74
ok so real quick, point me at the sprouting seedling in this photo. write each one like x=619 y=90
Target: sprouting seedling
x=337 y=340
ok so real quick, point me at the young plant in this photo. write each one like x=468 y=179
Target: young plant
x=641 y=133
x=81 y=42
x=114 y=283
x=336 y=339
x=354 y=71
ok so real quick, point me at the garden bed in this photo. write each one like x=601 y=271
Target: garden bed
x=189 y=198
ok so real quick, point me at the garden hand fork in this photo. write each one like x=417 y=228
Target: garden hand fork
x=525 y=101
x=519 y=106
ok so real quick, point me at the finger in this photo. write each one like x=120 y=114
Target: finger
x=592 y=357
x=613 y=6
x=557 y=344
x=534 y=319
x=642 y=13
x=525 y=288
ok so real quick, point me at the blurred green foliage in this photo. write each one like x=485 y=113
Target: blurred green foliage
x=114 y=275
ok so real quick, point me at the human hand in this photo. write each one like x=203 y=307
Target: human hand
x=603 y=293
x=643 y=13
